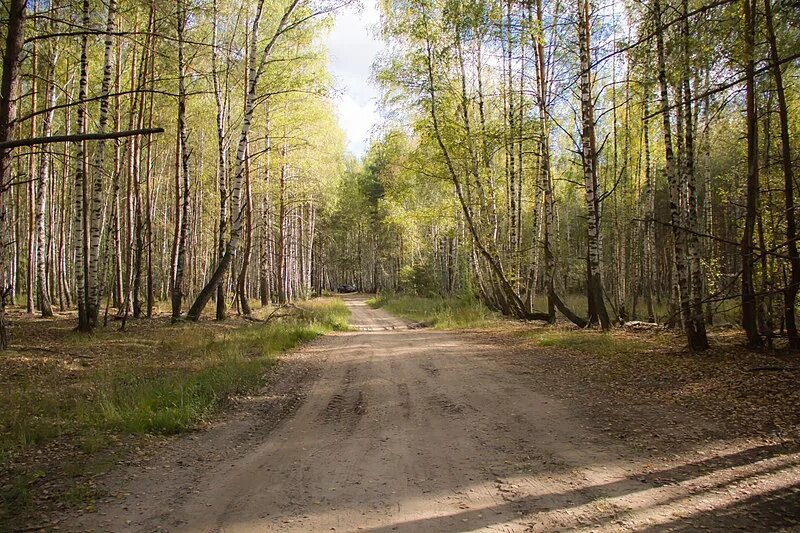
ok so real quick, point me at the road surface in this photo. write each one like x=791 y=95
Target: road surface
x=390 y=428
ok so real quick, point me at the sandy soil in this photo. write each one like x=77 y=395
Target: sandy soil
x=391 y=428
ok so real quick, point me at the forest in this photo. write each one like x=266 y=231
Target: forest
x=177 y=193
x=601 y=163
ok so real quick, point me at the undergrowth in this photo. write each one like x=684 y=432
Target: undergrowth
x=595 y=342
x=464 y=313
x=160 y=379
x=437 y=312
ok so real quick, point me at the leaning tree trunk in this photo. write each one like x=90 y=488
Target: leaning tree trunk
x=256 y=68
x=511 y=303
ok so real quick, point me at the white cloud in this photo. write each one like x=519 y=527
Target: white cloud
x=353 y=47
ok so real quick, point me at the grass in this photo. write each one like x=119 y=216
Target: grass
x=164 y=380
x=595 y=342
x=437 y=312
x=462 y=313
x=154 y=378
x=222 y=365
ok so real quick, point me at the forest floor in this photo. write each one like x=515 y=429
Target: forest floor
x=505 y=427
x=75 y=406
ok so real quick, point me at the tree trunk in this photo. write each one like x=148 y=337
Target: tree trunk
x=9 y=89
x=749 y=313
x=30 y=271
x=589 y=156
x=81 y=193
x=512 y=303
x=183 y=134
x=43 y=190
x=282 y=249
x=255 y=70
x=553 y=301
x=266 y=264
x=96 y=221
x=241 y=285
x=680 y=272
x=222 y=163
x=649 y=224
x=699 y=340
x=790 y=292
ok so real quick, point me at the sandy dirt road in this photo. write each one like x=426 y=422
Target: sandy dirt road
x=389 y=428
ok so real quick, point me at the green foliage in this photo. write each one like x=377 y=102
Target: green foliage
x=437 y=312
x=416 y=279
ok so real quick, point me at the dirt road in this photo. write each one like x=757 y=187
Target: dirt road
x=388 y=428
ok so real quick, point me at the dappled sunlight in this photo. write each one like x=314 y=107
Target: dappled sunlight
x=606 y=500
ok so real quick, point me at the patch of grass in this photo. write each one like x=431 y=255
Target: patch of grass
x=152 y=378
x=79 y=494
x=222 y=365
x=330 y=313
x=157 y=379
x=437 y=312
x=595 y=342
x=17 y=494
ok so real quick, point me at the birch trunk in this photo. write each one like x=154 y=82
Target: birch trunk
x=256 y=67
x=96 y=222
x=589 y=146
x=698 y=339
x=80 y=200
x=222 y=163
x=183 y=134
x=43 y=190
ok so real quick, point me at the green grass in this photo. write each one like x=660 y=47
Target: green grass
x=457 y=313
x=440 y=313
x=153 y=378
x=17 y=494
x=224 y=364
x=595 y=342
x=162 y=381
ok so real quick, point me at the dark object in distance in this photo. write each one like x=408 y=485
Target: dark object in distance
x=346 y=289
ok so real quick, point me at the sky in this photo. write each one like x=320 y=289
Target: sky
x=353 y=47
